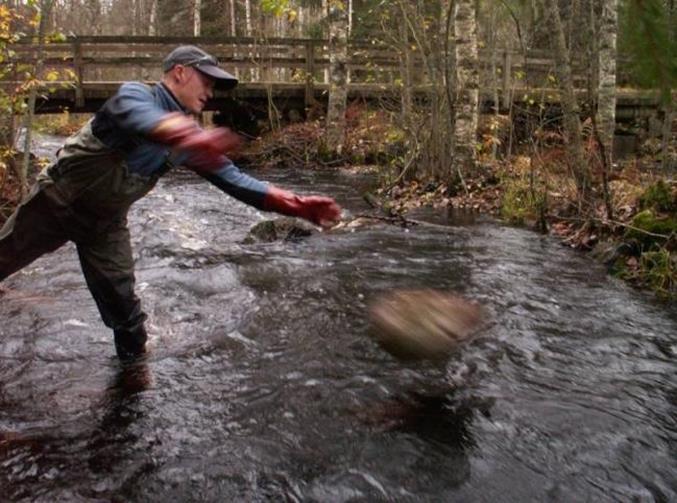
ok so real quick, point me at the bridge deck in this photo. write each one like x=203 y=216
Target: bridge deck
x=60 y=96
x=293 y=72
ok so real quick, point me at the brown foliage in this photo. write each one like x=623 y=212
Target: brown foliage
x=10 y=188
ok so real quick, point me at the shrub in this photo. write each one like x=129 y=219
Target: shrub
x=521 y=203
x=651 y=230
x=659 y=268
x=660 y=197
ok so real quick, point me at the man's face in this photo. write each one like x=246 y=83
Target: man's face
x=192 y=88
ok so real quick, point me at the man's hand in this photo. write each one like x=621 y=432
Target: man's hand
x=184 y=133
x=320 y=210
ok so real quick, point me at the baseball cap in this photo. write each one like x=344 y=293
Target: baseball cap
x=189 y=55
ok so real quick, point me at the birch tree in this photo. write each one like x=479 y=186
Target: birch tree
x=406 y=69
x=467 y=85
x=197 y=19
x=152 y=23
x=350 y=17
x=233 y=31
x=248 y=17
x=338 y=59
x=606 y=101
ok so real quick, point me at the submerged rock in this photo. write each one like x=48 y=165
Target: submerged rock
x=294 y=229
x=280 y=229
x=423 y=324
x=355 y=223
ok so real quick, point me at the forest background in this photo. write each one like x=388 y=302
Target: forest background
x=474 y=137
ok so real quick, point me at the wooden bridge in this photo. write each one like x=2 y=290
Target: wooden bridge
x=80 y=73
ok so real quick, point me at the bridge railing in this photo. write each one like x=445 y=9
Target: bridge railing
x=305 y=62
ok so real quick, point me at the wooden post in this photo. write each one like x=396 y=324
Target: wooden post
x=79 y=71
x=310 y=73
x=507 y=79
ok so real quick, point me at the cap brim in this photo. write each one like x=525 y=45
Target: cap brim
x=222 y=79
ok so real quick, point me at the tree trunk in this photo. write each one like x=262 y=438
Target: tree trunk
x=94 y=21
x=467 y=86
x=137 y=23
x=667 y=135
x=572 y=122
x=233 y=30
x=325 y=14
x=606 y=101
x=45 y=9
x=302 y=20
x=248 y=17
x=136 y=12
x=443 y=84
x=175 y=17
x=350 y=17
x=350 y=30
x=197 y=18
x=493 y=49
x=254 y=73
x=668 y=106
x=152 y=23
x=338 y=91
x=233 y=33
x=406 y=69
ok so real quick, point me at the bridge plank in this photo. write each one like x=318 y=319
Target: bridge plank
x=295 y=67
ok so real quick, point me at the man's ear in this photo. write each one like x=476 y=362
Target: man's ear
x=177 y=74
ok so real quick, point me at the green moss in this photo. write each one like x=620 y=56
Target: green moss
x=324 y=153
x=357 y=158
x=659 y=269
x=649 y=222
x=659 y=197
x=656 y=270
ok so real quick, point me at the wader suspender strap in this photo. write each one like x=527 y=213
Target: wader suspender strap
x=168 y=164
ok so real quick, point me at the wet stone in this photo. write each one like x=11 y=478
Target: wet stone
x=296 y=229
x=280 y=229
x=423 y=324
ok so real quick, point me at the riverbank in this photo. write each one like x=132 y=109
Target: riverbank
x=10 y=187
x=57 y=125
x=637 y=243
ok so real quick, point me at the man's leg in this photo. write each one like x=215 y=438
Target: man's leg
x=109 y=270
x=30 y=232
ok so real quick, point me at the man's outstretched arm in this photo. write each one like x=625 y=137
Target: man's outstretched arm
x=204 y=151
x=133 y=109
x=320 y=210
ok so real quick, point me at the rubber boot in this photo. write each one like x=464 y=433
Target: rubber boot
x=130 y=344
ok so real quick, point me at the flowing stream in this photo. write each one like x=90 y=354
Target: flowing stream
x=263 y=384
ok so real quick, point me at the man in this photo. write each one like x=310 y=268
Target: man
x=117 y=158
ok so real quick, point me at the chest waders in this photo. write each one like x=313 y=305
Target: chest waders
x=84 y=197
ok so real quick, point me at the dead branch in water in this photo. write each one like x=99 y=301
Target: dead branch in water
x=403 y=221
